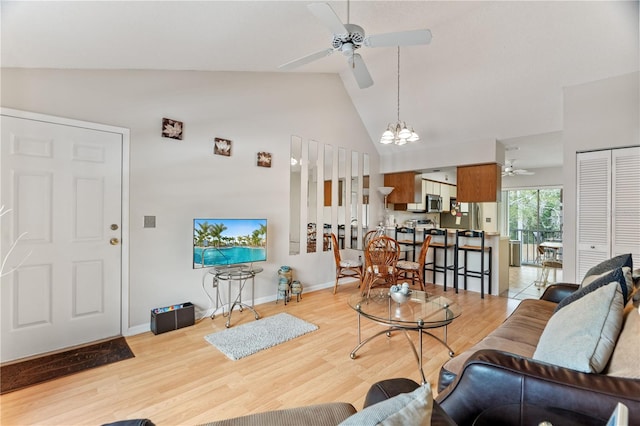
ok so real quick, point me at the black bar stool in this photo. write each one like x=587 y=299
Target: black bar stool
x=444 y=245
x=406 y=237
x=466 y=248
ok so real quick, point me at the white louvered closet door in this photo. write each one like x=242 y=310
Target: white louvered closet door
x=593 y=210
x=625 y=213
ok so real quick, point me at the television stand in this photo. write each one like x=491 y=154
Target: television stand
x=238 y=274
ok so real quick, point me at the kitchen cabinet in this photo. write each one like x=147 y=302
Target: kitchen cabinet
x=479 y=183
x=407 y=188
x=446 y=197
x=444 y=190
x=419 y=207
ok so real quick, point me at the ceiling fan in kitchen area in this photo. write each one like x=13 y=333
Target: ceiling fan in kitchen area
x=510 y=170
x=347 y=38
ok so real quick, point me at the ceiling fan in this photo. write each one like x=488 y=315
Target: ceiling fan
x=510 y=170
x=347 y=38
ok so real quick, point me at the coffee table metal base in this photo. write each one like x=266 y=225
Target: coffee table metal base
x=416 y=353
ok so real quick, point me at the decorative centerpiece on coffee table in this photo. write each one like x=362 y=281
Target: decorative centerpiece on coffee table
x=400 y=293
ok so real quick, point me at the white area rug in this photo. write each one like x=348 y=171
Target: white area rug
x=247 y=339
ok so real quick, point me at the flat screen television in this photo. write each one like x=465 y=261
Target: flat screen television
x=218 y=242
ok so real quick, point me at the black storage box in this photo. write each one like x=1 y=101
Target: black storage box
x=167 y=319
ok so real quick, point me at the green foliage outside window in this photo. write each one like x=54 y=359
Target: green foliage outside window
x=535 y=215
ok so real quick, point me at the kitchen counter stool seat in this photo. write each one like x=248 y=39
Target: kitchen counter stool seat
x=444 y=245
x=482 y=249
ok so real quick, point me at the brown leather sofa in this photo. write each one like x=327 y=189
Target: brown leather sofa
x=484 y=376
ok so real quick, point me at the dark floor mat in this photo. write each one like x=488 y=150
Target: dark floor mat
x=37 y=370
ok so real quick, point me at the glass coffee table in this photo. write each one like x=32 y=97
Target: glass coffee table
x=421 y=312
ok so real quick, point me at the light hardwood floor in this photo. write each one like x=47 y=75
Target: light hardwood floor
x=177 y=378
x=522 y=282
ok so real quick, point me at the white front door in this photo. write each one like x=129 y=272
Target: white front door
x=63 y=184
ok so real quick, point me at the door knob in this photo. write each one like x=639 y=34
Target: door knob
x=114 y=241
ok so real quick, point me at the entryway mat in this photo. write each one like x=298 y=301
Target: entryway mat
x=48 y=367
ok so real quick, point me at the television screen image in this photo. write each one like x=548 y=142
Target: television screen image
x=218 y=242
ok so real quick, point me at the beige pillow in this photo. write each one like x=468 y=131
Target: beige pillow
x=625 y=356
x=412 y=408
x=582 y=335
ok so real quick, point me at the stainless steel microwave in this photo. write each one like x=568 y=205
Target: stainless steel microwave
x=433 y=203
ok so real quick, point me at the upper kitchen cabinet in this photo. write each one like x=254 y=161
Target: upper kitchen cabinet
x=479 y=183
x=407 y=188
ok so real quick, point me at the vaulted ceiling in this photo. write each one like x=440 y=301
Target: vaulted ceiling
x=494 y=70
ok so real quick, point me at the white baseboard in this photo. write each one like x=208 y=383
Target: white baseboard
x=200 y=314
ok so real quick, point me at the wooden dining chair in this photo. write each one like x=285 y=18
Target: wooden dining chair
x=345 y=268
x=370 y=235
x=381 y=257
x=414 y=271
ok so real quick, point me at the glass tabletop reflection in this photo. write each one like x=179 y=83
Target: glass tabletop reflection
x=421 y=310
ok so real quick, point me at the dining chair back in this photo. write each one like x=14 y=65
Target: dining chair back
x=370 y=235
x=381 y=257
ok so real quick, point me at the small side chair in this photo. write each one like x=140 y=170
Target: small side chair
x=345 y=268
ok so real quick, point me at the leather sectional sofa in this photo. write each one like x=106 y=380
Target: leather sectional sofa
x=500 y=369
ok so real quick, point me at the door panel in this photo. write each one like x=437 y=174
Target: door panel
x=626 y=202
x=593 y=210
x=64 y=186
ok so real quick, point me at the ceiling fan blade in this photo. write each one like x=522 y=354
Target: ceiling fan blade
x=525 y=172
x=404 y=38
x=306 y=59
x=360 y=71
x=328 y=17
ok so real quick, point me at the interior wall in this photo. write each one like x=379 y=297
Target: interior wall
x=599 y=115
x=177 y=181
x=442 y=155
x=543 y=177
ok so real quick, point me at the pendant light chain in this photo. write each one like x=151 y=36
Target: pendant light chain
x=398 y=83
x=400 y=133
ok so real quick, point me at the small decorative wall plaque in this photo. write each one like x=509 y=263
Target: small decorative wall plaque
x=172 y=128
x=264 y=159
x=222 y=147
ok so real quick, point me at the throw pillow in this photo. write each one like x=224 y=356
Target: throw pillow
x=610 y=264
x=582 y=335
x=628 y=280
x=412 y=408
x=613 y=276
x=624 y=359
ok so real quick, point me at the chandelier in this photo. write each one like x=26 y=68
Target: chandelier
x=399 y=133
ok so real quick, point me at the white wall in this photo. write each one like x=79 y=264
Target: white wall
x=599 y=115
x=442 y=155
x=177 y=181
x=543 y=177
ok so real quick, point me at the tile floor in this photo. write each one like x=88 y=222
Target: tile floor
x=521 y=282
